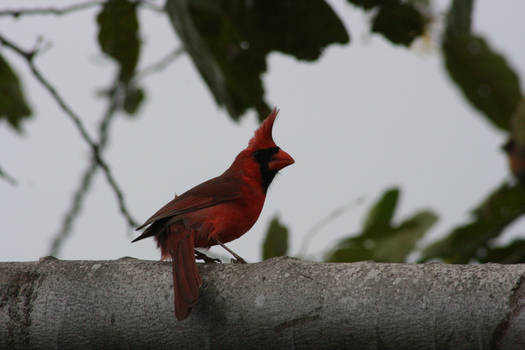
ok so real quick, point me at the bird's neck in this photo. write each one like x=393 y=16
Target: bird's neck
x=256 y=174
x=267 y=175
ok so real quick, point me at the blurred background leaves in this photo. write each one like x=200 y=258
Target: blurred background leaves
x=118 y=35
x=276 y=240
x=472 y=241
x=381 y=239
x=398 y=21
x=484 y=77
x=229 y=43
x=490 y=84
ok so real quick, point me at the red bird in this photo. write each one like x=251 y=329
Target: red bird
x=215 y=212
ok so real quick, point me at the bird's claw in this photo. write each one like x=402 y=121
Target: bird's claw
x=239 y=260
x=207 y=259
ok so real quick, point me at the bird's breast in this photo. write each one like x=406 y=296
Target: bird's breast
x=226 y=221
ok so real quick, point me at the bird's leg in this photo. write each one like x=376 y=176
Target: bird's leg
x=238 y=259
x=205 y=258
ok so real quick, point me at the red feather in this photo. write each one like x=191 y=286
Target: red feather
x=262 y=137
x=207 y=194
x=218 y=210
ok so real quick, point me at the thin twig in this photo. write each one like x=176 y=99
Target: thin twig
x=325 y=221
x=86 y=180
x=114 y=96
x=50 y=10
x=74 y=210
x=56 y=11
x=8 y=178
x=160 y=65
x=29 y=55
x=151 y=6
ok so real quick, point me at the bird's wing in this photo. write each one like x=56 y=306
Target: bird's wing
x=212 y=192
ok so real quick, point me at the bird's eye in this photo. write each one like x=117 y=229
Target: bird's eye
x=265 y=154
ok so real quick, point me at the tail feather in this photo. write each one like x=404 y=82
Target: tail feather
x=192 y=278
x=186 y=278
x=155 y=229
x=144 y=234
x=177 y=243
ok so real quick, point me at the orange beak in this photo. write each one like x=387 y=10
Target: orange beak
x=280 y=160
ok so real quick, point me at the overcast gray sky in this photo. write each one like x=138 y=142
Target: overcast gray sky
x=364 y=117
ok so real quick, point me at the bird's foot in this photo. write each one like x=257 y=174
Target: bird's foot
x=238 y=260
x=206 y=259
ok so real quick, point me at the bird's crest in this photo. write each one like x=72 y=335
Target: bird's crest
x=262 y=137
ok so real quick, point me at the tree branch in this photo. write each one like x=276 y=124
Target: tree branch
x=8 y=178
x=72 y=213
x=57 y=11
x=29 y=56
x=279 y=303
x=160 y=65
x=86 y=178
x=114 y=98
x=51 y=10
x=332 y=215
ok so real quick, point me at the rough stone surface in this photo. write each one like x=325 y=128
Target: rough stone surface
x=281 y=303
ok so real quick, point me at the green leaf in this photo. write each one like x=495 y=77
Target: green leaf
x=393 y=245
x=460 y=246
x=459 y=18
x=13 y=105
x=485 y=78
x=118 y=35
x=493 y=215
x=424 y=4
x=276 y=241
x=381 y=240
x=382 y=212
x=402 y=240
x=513 y=253
x=400 y=23
x=133 y=99
x=354 y=252
x=230 y=40
x=487 y=81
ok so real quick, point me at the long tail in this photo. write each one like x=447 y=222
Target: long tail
x=186 y=278
x=155 y=229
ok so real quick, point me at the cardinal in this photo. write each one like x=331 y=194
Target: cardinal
x=215 y=212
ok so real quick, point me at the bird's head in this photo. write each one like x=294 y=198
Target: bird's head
x=263 y=158
x=264 y=149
